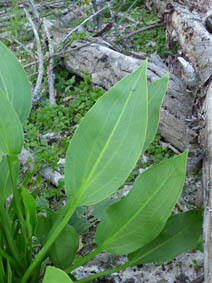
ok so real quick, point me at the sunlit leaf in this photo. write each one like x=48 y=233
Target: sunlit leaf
x=180 y=234
x=11 y=131
x=109 y=141
x=137 y=219
x=56 y=275
x=14 y=83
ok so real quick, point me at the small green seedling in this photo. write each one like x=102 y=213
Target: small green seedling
x=102 y=153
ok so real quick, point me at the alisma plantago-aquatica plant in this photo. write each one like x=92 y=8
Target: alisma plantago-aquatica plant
x=105 y=148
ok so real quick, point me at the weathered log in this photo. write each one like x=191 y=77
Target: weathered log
x=194 y=39
x=107 y=66
x=207 y=185
x=191 y=26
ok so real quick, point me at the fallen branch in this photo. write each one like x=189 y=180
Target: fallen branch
x=143 y=29
x=83 y=23
x=207 y=185
x=107 y=66
x=50 y=67
x=37 y=88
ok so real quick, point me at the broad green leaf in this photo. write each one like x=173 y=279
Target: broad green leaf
x=14 y=83
x=11 y=131
x=64 y=249
x=137 y=219
x=156 y=92
x=180 y=234
x=108 y=141
x=30 y=208
x=56 y=275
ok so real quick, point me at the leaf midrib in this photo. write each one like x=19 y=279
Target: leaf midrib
x=84 y=185
x=103 y=168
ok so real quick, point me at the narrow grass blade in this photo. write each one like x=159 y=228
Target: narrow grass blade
x=30 y=209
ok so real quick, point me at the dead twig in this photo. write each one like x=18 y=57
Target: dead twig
x=127 y=17
x=57 y=54
x=38 y=84
x=50 y=68
x=34 y=9
x=104 y=30
x=24 y=47
x=200 y=279
x=83 y=23
x=143 y=29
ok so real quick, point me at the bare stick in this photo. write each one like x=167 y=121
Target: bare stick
x=50 y=67
x=143 y=29
x=94 y=9
x=84 y=22
x=207 y=185
x=24 y=47
x=57 y=54
x=34 y=9
x=40 y=56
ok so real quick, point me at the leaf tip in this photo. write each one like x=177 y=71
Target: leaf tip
x=167 y=76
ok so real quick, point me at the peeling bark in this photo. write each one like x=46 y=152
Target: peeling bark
x=207 y=185
x=195 y=40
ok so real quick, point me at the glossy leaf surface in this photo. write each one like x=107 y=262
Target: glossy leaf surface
x=55 y=275
x=137 y=219
x=108 y=141
x=11 y=131
x=63 y=251
x=14 y=83
x=180 y=234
